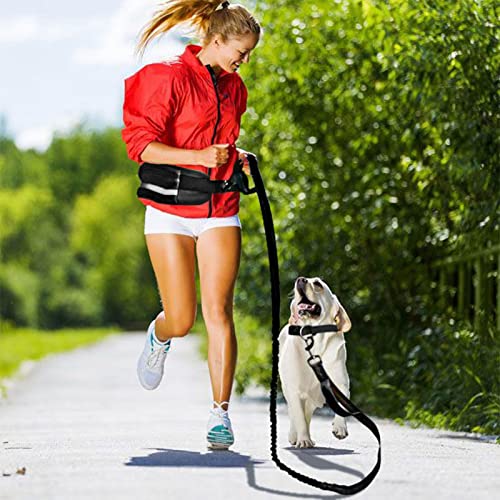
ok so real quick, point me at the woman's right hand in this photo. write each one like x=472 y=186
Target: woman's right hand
x=214 y=156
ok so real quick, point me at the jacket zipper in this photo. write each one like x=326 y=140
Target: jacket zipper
x=214 y=81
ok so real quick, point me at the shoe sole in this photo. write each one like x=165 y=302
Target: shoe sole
x=217 y=440
x=218 y=446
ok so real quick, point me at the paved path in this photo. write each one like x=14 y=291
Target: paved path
x=83 y=431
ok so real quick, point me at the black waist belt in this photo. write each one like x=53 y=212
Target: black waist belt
x=174 y=185
x=179 y=186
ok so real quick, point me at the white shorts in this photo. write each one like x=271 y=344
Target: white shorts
x=158 y=222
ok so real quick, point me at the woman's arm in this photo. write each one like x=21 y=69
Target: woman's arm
x=212 y=157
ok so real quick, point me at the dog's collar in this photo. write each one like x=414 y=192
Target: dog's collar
x=311 y=330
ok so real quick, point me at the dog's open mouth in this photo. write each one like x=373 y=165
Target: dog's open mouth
x=305 y=306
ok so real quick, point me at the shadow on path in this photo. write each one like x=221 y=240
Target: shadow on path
x=163 y=457
x=468 y=437
x=181 y=458
x=312 y=458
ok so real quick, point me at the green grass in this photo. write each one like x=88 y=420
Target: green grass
x=21 y=344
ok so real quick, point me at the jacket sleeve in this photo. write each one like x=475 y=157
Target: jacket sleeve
x=148 y=106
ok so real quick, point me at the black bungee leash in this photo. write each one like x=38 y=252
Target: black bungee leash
x=179 y=186
x=339 y=403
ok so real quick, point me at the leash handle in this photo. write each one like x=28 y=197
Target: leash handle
x=239 y=180
x=275 y=307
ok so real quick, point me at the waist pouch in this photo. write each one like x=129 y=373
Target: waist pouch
x=172 y=185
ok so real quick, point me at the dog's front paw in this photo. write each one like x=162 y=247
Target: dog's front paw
x=339 y=428
x=304 y=442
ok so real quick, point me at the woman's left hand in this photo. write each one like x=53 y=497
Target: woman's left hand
x=242 y=154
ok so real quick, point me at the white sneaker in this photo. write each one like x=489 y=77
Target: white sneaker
x=220 y=434
x=150 y=364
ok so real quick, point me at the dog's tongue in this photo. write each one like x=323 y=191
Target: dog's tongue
x=308 y=307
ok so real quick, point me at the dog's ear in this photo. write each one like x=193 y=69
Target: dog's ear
x=342 y=319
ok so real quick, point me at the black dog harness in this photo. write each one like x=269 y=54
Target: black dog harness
x=178 y=186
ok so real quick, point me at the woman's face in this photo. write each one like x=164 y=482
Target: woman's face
x=235 y=51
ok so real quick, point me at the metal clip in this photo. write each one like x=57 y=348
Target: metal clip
x=307 y=337
x=309 y=342
x=305 y=330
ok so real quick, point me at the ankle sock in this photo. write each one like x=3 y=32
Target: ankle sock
x=218 y=407
x=157 y=340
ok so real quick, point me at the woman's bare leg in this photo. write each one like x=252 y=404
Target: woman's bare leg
x=218 y=252
x=173 y=260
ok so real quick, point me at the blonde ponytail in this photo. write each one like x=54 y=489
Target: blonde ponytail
x=204 y=15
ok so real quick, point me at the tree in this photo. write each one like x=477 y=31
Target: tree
x=107 y=238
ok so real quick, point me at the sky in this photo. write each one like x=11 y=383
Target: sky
x=63 y=63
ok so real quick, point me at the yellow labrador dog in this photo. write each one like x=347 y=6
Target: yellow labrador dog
x=313 y=304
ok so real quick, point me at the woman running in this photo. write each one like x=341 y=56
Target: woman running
x=186 y=112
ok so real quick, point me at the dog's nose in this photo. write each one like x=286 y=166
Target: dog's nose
x=300 y=283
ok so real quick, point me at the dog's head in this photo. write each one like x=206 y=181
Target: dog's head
x=315 y=304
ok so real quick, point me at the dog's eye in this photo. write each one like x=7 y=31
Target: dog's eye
x=318 y=285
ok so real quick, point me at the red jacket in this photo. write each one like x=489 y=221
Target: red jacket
x=176 y=103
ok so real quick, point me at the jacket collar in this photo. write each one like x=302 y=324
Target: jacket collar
x=189 y=57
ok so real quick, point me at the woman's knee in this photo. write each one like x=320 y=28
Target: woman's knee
x=219 y=314
x=178 y=323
